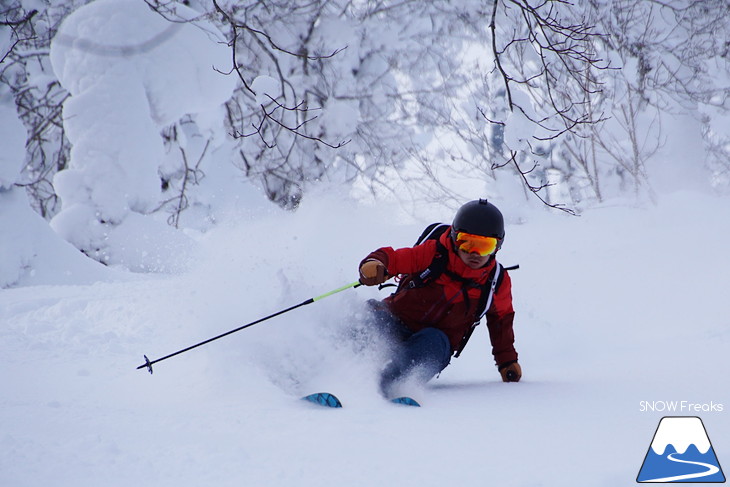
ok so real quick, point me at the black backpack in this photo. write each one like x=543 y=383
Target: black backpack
x=438 y=267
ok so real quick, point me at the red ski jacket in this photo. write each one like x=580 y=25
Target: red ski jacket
x=441 y=303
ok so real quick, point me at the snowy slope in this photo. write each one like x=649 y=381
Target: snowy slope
x=614 y=307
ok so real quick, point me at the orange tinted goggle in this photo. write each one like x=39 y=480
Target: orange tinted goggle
x=476 y=243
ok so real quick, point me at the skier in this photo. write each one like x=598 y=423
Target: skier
x=446 y=283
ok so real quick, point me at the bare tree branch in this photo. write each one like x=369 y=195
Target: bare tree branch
x=535 y=190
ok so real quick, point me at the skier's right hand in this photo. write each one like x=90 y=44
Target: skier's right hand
x=373 y=272
x=511 y=372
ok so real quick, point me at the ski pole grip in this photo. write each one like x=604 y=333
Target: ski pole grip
x=339 y=289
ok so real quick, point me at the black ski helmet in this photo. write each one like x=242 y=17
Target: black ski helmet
x=479 y=217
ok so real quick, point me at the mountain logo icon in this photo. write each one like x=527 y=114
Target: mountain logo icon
x=680 y=452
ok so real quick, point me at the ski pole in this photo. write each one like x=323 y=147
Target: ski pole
x=148 y=363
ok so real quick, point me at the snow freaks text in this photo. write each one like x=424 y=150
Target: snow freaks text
x=682 y=407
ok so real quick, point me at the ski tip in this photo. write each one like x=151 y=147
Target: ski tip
x=323 y=399
x=406 y=401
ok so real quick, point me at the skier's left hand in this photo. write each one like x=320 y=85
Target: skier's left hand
x=511 y=372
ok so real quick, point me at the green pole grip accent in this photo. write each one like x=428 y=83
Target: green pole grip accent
x=348 y=286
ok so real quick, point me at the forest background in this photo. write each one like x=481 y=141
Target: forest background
x=418 y=105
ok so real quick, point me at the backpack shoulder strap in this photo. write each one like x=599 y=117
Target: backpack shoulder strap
x=438 y=264
x=434 y=270
x=485 y=301
x=432 y=232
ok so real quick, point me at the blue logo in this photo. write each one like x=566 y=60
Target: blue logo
x=680 y=452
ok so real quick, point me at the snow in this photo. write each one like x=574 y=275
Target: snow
x=33 y=254
x=684 y=141
x=518 y=129
x=341 y=119
x=614 y=307
x=266 y=88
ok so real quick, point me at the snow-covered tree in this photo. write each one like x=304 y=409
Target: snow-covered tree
x=334 y=90
x=26 y=73
x=442 y=101
x=130 y=73
x=670 y=95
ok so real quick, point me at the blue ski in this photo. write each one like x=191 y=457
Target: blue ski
x=406 y=401
x=331 y=401
x=324 y=399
